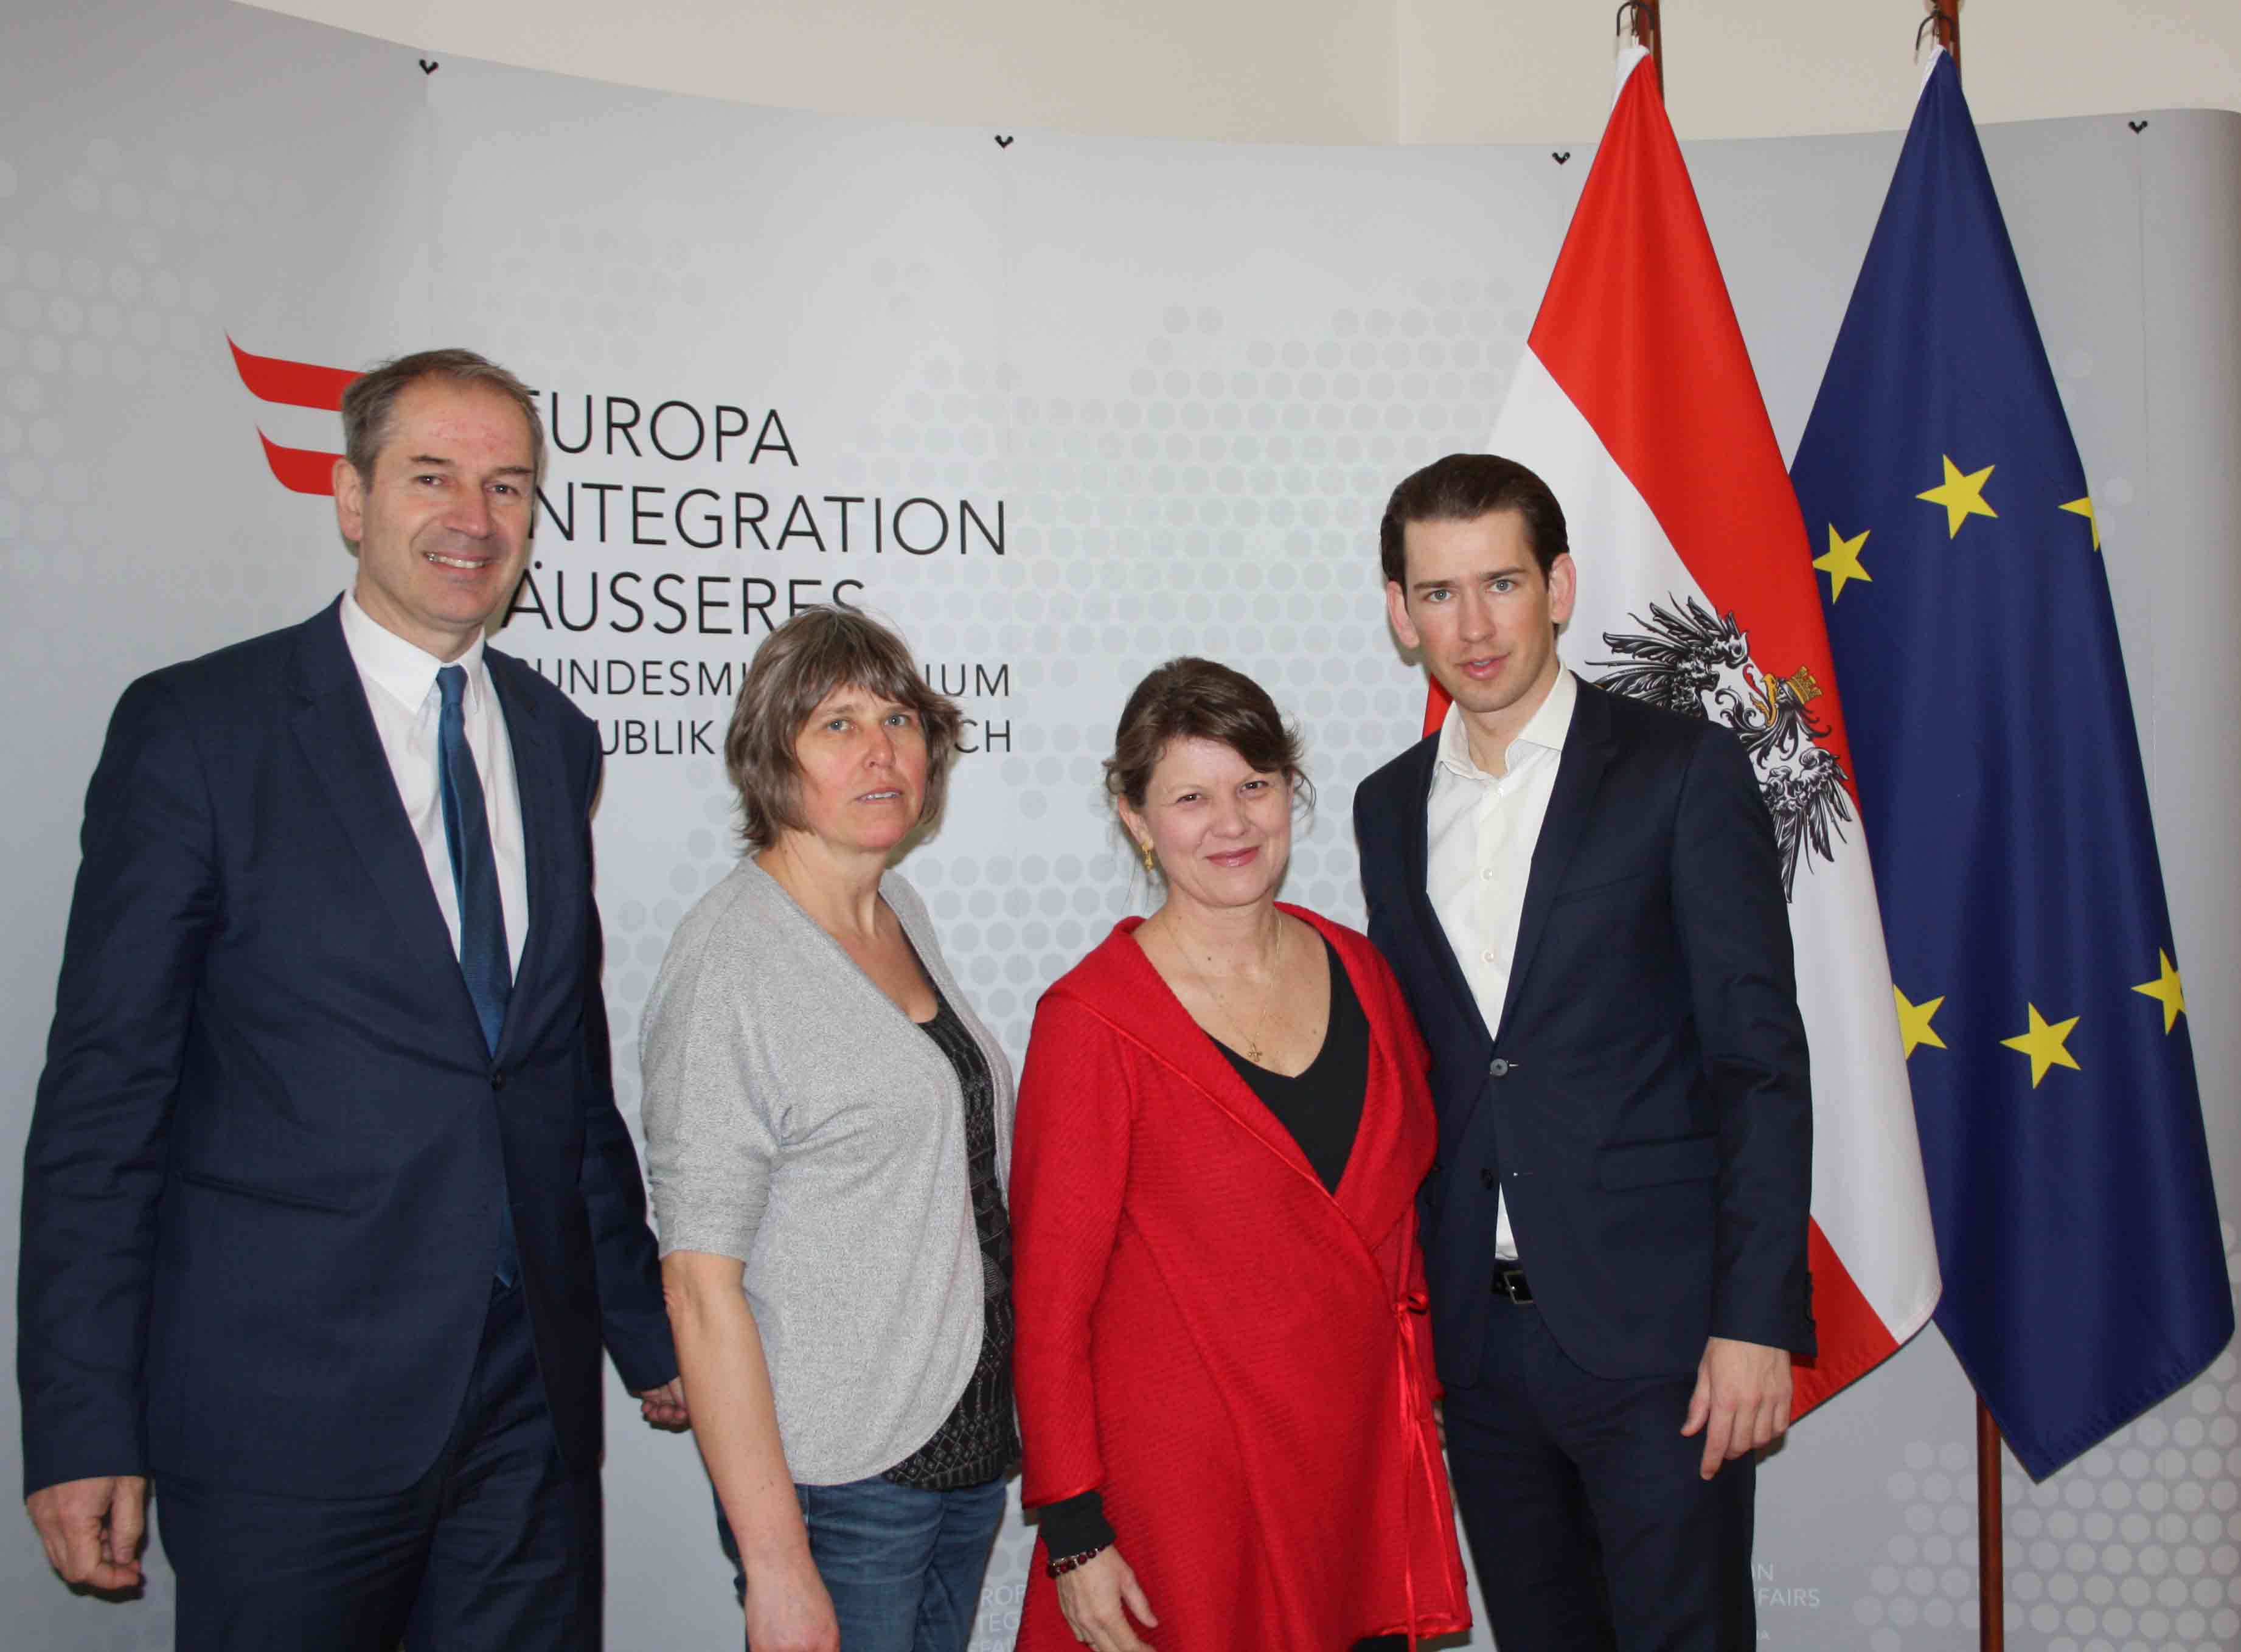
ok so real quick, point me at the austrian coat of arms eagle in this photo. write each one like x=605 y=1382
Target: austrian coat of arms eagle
x=1689 y=659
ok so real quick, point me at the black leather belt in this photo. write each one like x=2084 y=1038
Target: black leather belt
x=1509 y=1282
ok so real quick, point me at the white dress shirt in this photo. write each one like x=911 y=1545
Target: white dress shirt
x=1480 y=833
x=400 y=687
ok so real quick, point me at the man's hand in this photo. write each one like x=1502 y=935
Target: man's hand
x=92 y=1528
x=1741 y=1401
x=664 y=1407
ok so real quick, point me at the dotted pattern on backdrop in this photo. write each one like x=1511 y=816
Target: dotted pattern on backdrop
x=1223 y=502
x=585 y=300
x=2134 y=1547
x=128 y=302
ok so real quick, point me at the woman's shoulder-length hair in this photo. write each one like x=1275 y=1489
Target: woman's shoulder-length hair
x=817 y=650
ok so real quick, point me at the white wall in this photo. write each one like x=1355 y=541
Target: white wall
x=1499 y=71
x=1331 y=71
x=1318 y=69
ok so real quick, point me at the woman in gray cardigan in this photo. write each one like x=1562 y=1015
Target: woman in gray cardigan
x=828 y=1133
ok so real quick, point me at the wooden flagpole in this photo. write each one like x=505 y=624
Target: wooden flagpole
x=1991 y=1579
x=1948 y=15
x=1991 y=1570
x=1647 y=31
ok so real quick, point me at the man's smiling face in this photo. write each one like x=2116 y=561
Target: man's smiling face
x=442 y=525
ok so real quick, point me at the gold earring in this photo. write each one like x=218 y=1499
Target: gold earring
x=1144 y=849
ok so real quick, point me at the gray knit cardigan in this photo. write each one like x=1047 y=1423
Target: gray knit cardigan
x=796 y=1120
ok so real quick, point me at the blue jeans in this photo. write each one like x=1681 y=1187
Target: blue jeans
x=903 y=1566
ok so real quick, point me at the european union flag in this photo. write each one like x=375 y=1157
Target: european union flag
x=2007 y=813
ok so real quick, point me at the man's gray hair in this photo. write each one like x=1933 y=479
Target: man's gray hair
x=371 y=397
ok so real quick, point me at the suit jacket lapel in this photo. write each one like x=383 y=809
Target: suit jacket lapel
x=1579 y=777
x=334 y=728
x=541 y=783
x=1416 y=835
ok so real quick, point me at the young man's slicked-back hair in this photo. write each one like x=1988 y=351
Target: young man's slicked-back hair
x=1463 y=487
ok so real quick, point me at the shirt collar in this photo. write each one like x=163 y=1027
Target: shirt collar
x=404 y=671
x=1546 y=728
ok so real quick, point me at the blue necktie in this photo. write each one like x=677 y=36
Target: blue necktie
x=484 y=958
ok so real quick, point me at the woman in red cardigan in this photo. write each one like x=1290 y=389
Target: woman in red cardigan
x=1222 y=1367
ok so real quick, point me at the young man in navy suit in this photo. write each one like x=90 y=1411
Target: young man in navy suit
x=1581 y=896
x=327 y=1208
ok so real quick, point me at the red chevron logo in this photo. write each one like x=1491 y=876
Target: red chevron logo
x=294 y=384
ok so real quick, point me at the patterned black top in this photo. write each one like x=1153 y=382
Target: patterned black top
x=980 y=1440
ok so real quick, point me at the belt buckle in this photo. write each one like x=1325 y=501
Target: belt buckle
x=1510 y=1283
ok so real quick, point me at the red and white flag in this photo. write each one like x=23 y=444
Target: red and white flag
x=1636 y=403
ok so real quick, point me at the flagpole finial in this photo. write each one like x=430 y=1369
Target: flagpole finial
x=1648 y=33
x=1947 y=25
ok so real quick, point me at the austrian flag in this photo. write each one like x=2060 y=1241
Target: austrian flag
x=1636 y=403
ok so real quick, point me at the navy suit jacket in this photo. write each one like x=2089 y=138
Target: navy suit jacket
x=1643 y=1103
x=261 y=1191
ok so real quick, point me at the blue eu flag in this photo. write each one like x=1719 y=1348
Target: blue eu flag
x=2005 y=806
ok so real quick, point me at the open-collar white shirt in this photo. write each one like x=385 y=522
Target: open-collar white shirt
x=1481 y=831
x=400 y=687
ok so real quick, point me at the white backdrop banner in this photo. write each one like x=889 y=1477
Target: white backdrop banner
x=1059 y=408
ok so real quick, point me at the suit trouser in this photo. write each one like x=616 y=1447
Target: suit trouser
x=1589 y=1524
x=497 y=1545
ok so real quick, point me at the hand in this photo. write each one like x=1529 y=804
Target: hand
x=788 y=1609
x=1741 y=1401
x=92 y=1528
x=1097 y=1598
x=664 y=1407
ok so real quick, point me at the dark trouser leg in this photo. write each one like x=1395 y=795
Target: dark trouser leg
x=1525 y=1511
x=260 y=1573
x=515 y=1561
x=1674 y=1549
x=493 y=1547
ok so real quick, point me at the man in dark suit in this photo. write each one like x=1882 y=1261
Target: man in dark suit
x=327 y=1208
x=1581 y=897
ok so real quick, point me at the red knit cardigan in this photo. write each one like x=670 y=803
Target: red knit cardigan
x=1236 y=1358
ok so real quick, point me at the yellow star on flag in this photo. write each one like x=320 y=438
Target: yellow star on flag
x=2043 y=1044
x=1914 y=1023
x=1842 y=561
x=1961 y=496
x=2084 y=507
x=2166 y=989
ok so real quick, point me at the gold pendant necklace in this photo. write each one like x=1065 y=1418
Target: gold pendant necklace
x=1252 y=1047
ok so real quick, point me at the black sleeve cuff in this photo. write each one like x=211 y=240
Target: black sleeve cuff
x=1075 y=1524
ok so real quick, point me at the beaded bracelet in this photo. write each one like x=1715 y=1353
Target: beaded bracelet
x=1064 y=1563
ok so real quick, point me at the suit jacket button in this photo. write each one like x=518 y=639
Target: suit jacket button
x=498 y=1078
x=1499 y=1068
x=1486 y=1179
